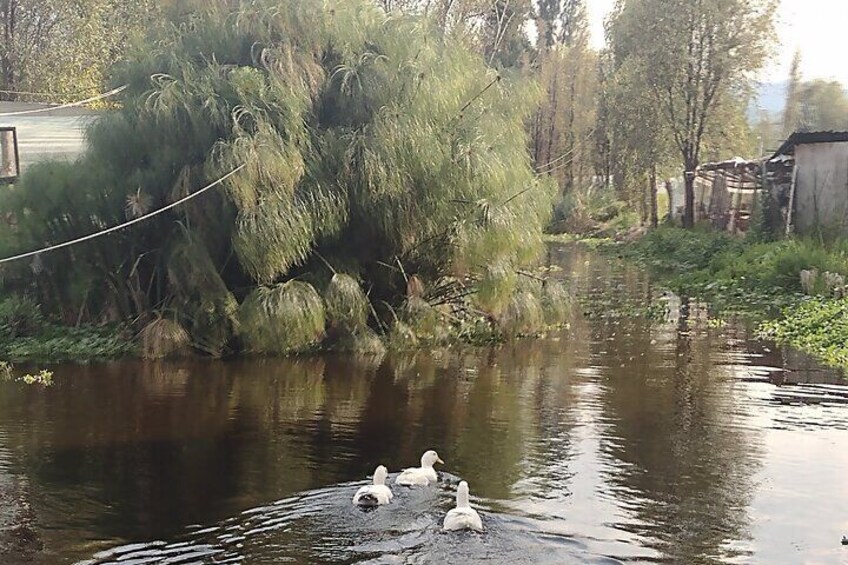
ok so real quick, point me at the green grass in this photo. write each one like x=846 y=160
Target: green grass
x=55 y=344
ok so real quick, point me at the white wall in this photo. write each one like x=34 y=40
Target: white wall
x=58 y=134
x=821 y=197
x=48 y=138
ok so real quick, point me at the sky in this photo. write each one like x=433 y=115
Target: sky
x=818 y=27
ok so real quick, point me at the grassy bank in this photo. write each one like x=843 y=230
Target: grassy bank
x=26 y=335
x=795 y=288
x=533 y=307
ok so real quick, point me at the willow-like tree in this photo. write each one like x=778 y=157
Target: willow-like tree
x=567 y=70
x=373 y=148
x=697 y=55
x=60 y=50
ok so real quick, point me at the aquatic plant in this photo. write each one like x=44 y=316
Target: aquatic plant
x=43 y=377
x=402 y=337
x=19 y=316
x=347 y=305
x=61 y=343
x=427 y=322
x=366 y=346
x=556 y=303
x=368 y=140
x=162 y=337
x=818 y=326
x=284 y=318
x=524 y=313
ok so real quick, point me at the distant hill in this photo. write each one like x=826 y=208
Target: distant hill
x=771 y=97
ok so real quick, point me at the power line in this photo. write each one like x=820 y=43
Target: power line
x=26 y=93
x=564 y=155
x=112 y=92
x=125 y=224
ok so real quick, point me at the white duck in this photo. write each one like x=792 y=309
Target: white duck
x=377 y=493
x=423 y=475
x=463 y=517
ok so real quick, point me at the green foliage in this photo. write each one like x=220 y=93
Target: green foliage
x=685 y=64
x=556 y=303
x=285 y=318
x=63 y=48
x=364 y=343
x=162 y=337
x=363 y=135
x=57 y=344
x=346 y=303
x=758 y=280
x=427 y=322
x=731 y=273
x=671 y=250
x=523 y=315
x=614 y=305
x=766 y=222
x=19 y=317
x=592 y=211
x=822 y=105
x=402 y=337
x=201 y=299
x=43 y=377
x=817 y=326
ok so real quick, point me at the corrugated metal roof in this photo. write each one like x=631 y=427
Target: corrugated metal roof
x=808 y=137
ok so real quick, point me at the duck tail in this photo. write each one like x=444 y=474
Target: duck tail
x=367 y=499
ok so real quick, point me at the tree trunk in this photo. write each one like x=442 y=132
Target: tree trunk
x=670 y=200
x=689 y=197
x=8 y=163
x=653 y=196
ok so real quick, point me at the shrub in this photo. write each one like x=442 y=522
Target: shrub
x=347 y=305
x=285 y=318
x=19 y=317
x=162 y=337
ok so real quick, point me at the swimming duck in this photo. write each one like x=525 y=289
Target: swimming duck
x=463 y=517
x=423 y=475
x=377 y=493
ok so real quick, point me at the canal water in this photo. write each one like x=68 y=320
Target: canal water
x=646 y=432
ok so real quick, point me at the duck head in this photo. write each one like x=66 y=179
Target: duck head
x=380 y=475
x=462 y=495
x=430 y=458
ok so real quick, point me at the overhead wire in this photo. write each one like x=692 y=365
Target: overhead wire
x=231 y=173
x=102 y=96
x=123 y=225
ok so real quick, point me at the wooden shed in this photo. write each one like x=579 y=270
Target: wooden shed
x=726 y=192
x=817 y=194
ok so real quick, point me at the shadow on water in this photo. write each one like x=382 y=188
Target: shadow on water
x=643 y=433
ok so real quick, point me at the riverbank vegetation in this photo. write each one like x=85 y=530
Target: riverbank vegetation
x=385 y=186
x=794 y=287
x=394 y=165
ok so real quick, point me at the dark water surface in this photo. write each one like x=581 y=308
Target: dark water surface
x=676 y=440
